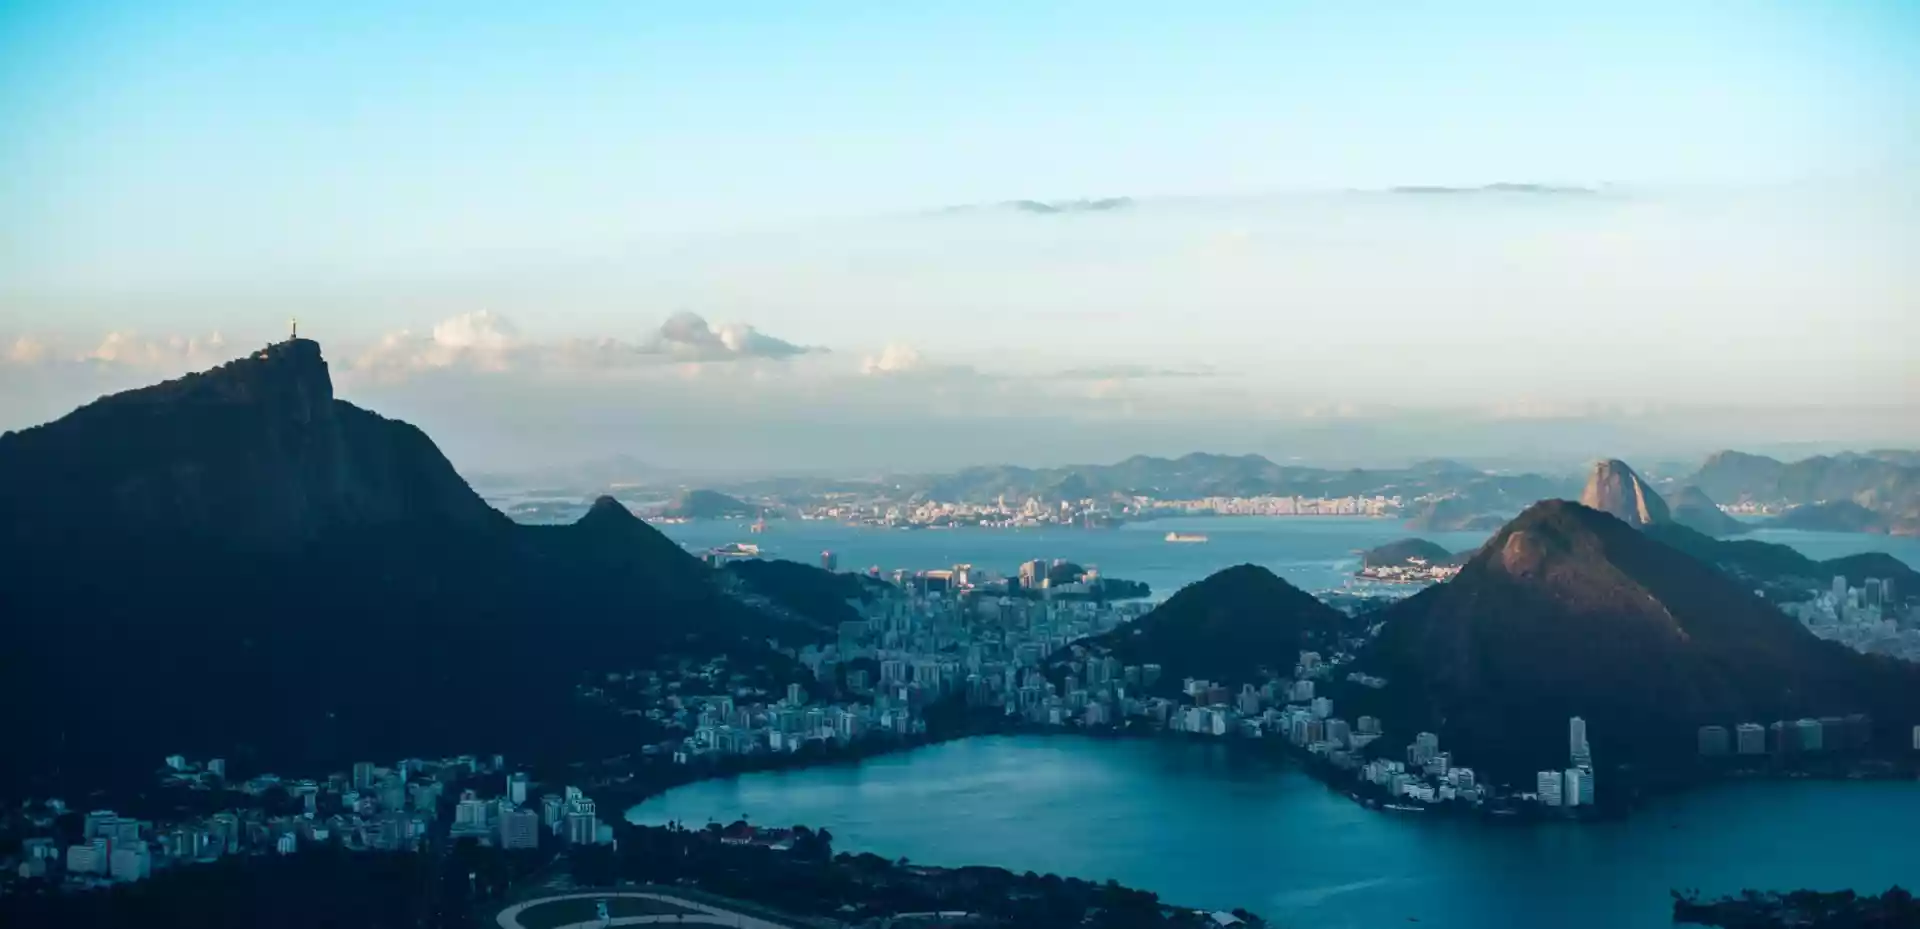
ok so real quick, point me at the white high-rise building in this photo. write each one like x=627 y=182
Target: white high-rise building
x=1547 y=785
x=1581 y=755
x=517 y=788
x=1574 y=789
x=1750 y=739
x=1840 y=590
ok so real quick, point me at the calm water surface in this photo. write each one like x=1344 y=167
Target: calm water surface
x=1199 y=828
x=1313 y=552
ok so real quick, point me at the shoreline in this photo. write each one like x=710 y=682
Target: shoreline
x=627 y=798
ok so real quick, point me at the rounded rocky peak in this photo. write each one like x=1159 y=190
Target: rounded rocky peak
x=608 y=511
x=1614 y=488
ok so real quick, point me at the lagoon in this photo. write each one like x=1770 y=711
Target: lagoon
x=1203 y=826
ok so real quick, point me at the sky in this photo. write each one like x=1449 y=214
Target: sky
x=764 y=236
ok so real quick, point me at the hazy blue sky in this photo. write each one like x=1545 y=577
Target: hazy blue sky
x=494 y=215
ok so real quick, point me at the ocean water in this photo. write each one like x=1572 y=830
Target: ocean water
x=1204 y=828
x=1312 y=552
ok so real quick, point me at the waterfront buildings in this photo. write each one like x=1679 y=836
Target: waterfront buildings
x=1549 y=785
x=1714 y=741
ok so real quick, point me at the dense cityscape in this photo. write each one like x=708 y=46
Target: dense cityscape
x=1867 y=618
x=1089 y=512
x=950 y=634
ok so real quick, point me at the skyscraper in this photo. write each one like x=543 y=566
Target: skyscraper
x=1840 y=589
x=517 y=788
x=1751 y=739
x=829 y=561
x=1570 y=793
x=1577 y=743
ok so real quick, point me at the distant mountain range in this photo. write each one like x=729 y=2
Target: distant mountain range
x=1203 y=475
x=1884 y=482
x=237 y=564
x=1450 y=496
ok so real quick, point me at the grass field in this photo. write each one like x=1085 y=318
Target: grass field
x=568 y=912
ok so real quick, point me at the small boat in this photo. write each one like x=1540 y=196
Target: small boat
x=1185 y=537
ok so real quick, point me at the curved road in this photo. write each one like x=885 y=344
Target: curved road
x=699 y=914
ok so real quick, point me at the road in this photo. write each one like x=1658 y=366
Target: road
x=700 y=914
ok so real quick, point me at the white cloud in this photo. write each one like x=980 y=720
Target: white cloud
x=688 y=337
x=26 y=350
x=484 y=341
x=894 y=359
x=172 y=354
x=479 y=341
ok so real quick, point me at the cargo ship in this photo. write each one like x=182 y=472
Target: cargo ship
x=1185 y=537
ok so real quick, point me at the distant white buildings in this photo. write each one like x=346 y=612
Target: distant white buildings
x=1547 y=785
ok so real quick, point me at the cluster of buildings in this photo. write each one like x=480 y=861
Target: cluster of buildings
x=1103 y=692
x=1414 y=571
x=937 y=634
x=1091 y=512
x=1572 y=787
x=372 y=806
x=999 y=514
x=1869 y=618
x=1787 y=738
x=1376 y=505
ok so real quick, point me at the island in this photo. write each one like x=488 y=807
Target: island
x=706 y=504
x=1409 y=561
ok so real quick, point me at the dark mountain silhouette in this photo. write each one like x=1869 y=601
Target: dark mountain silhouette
x=1227 y=627
x=1614 y=489
x=1568 y=611
x=1400 y=553
x=1692 y=508
x=705 y=504
x=1780 y=567
x=821 y=597
x=237 y=564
